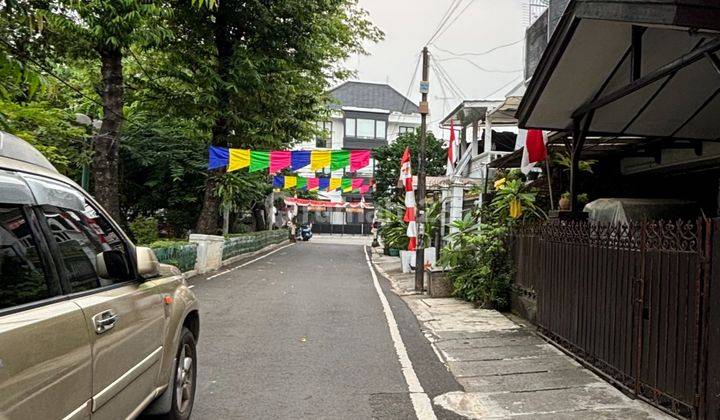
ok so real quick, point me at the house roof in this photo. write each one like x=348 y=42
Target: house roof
x=368 y=95
x=654 y=74
x=469 y=111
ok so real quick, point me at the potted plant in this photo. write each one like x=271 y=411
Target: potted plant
x=564 y=203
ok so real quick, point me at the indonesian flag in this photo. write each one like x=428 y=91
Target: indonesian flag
x=451 y=149
x=533 y=144
x=406 y=181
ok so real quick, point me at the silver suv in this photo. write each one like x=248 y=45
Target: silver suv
x=91 y=326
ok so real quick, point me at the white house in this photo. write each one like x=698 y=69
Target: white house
x=365 y=115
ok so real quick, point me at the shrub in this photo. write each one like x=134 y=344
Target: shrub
x=481 y=270
x=145 y=230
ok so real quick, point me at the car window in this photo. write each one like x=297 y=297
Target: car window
x=83 y=240
x=23 y=279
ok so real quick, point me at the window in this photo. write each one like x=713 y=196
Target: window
x=324 y=140
x=320 y=142
x=350 y=127
x=22 y=276
x=405 y=129
x=92 y=252
x=380 y=129
x=365 y=129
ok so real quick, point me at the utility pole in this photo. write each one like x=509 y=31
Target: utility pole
x=420 y=194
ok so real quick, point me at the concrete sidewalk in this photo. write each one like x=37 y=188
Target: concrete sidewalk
x=507 y=371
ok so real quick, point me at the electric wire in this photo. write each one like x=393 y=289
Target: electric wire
x=450 y=10
x=473 y=54
x=449 y=25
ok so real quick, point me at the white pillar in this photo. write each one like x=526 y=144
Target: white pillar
x=456 y=203
x=488 y=135
x=209 y=252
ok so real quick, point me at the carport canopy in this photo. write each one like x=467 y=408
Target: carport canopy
x=630 y=68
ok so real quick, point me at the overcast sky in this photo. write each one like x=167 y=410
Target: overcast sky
x=483 y=25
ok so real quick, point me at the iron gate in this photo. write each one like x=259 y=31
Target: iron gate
x=627 y=300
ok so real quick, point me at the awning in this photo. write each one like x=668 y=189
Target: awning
x=302 y=202
x=636 y=68
x=467 y=112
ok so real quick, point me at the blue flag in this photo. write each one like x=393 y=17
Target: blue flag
x=278 y=181
x=299 y=159
x=218 y=157
x=324 y=184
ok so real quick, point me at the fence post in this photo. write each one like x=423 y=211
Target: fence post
x=640 y=303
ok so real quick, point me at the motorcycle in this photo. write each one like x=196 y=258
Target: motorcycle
x=305 y=233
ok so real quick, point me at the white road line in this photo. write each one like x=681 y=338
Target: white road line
x=420 y=400
x=247 y=263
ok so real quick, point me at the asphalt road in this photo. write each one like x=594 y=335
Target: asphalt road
x=302 y=334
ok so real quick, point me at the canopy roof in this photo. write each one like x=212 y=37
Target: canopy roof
x=637 y=67
x=467 y=112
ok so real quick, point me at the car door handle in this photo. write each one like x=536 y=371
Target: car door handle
x=104 y=321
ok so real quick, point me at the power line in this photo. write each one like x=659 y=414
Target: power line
x=486 y=70
x=464 y=54
x=410 y=85
x=502 y=87
x=456 y=18
x=448 y=79
x=450 y=10
x=443 y=77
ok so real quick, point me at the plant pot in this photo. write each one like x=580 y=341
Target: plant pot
x=394 y=252
x=564 y=204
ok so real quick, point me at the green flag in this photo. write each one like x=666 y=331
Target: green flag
x=346 y=185
x=259 y=160
x=339 y=159
x=301 y=183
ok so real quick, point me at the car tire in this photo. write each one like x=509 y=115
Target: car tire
x=185 y=378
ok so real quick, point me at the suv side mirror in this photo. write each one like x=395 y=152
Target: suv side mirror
x=112 y=264
x=147 y=262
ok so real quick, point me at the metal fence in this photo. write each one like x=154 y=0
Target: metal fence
x=345 y=229
x=625 y=299
x=181 y=256
x=249 y=242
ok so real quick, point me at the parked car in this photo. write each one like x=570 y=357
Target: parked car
x=91 y=326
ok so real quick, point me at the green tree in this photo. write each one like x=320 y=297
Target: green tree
x=387 y=166
x=264 y=69
x=106 y=30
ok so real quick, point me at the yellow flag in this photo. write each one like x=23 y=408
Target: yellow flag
x=319 y=159
x=239 y=158
x=334 y=184
x=290 y=181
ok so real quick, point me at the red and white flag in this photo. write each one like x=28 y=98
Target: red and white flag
x=451 y=149
x=534 y=150
x=406 y=181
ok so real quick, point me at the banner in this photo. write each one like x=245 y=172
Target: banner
x=302 y=202
x=277 y=160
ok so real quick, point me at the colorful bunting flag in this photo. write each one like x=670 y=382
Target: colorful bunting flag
x=359 y=159
x=279 y=160
x=299 y=159
x=346 y=184
x=301 y=183
x=324 y=184
x=290 y=181
x=334 y=184
x=339 y=159
x=319 y=159
x=313 y=183
x=239 y=158
x=356 y=183
x=259 y=160
x=218 y=157
x=278 y=181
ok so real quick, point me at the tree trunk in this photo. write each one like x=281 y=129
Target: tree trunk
x=210 y=213
x=105 y=157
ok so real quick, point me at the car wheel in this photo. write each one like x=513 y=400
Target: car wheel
x=185 y=378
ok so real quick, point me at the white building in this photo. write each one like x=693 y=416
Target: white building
x=365 y=115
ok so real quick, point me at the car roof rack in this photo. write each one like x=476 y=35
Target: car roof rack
x=16 y=148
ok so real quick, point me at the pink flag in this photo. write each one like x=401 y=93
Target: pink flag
x=364 y=189
x=279 y=160
x=357 y=183
x=313 y=183
x=359 y=159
